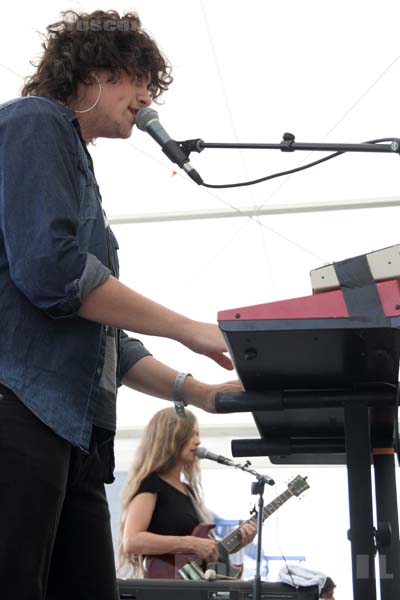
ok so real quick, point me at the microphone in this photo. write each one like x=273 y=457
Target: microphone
x=204 y=453
x=147 y=120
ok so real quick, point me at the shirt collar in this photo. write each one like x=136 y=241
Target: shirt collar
x=65 y=110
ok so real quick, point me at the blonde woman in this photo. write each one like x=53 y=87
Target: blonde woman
x=162 y=500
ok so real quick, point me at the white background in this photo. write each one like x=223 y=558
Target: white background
x=248 y=72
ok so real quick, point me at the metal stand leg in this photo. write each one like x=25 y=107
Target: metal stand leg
x=258 y=488
x=388 y=525
x=358 y=453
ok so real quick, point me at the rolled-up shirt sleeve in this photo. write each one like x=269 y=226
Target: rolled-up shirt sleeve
x=130 y=351
x=94 y=274
x=40 y=210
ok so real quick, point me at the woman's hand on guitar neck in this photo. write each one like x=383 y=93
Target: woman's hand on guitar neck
x=248 y=531
x=205 y=548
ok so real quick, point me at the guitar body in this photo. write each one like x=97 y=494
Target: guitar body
x=166 y=566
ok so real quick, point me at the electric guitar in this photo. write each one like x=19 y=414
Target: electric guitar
x=167 y=566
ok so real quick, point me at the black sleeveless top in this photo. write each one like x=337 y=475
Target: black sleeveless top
x=174 y=513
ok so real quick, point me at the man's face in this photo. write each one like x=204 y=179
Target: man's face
x=114 y=115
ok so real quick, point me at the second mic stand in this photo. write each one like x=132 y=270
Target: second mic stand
x=257 y=487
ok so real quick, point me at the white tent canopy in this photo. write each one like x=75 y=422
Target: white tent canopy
x=244 y=72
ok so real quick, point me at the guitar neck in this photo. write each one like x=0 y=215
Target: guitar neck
x=233 y=539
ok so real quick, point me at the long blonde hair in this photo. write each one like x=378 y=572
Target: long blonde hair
x=159 y=450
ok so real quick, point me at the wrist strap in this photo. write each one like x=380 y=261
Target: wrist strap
x=177 y=394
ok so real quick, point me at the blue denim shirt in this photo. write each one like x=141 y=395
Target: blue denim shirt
x=54 y=249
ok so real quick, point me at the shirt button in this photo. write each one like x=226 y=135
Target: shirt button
x=98 y=370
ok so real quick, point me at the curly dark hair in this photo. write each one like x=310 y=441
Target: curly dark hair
x=82 y=42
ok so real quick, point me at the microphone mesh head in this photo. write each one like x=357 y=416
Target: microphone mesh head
x=201 y=452
x=144 y=116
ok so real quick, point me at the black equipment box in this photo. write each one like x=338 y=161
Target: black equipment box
x=175 y=589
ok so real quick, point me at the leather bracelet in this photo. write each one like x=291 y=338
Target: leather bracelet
x=177 y=394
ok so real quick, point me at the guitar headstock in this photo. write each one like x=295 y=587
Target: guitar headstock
x=298 y=485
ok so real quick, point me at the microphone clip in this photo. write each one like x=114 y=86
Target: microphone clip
x=189 y=146
x=287 y=142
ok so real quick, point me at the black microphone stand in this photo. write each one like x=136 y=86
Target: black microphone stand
x=288 y=144
x=257 y=487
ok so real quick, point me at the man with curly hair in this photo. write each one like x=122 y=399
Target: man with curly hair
x=63 y=348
